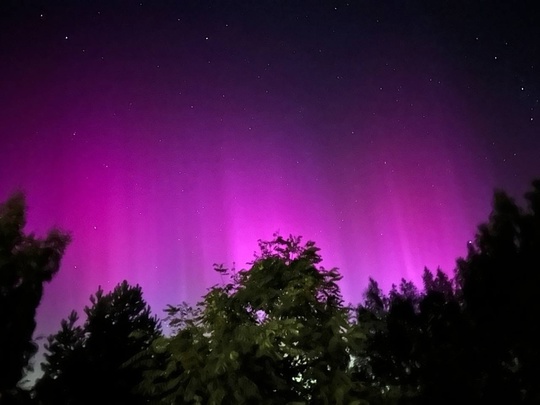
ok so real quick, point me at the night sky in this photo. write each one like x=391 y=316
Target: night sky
x=167 y=136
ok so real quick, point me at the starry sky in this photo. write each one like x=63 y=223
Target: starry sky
x=167 y=136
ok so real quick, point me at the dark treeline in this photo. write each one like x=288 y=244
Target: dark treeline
x=280 y=333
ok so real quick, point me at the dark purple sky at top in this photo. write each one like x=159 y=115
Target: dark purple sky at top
x=170 y=135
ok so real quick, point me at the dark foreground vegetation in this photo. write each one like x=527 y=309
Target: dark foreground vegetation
x=279 y=332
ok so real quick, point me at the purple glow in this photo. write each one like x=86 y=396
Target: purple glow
x=164 y=152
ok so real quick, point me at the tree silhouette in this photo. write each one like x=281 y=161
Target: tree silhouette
x=26 y=263
x=418 y=348
x=469 y=339
x=499 y=281
x=85 y=364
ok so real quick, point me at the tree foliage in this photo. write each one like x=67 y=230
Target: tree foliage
x=278 y=333
x=26 y=263
x=85 y=364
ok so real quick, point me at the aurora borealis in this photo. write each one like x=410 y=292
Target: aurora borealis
x=170 y=135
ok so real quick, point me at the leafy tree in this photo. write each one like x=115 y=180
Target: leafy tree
x=26 y=263
x=85 y=364
x=278 y=333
